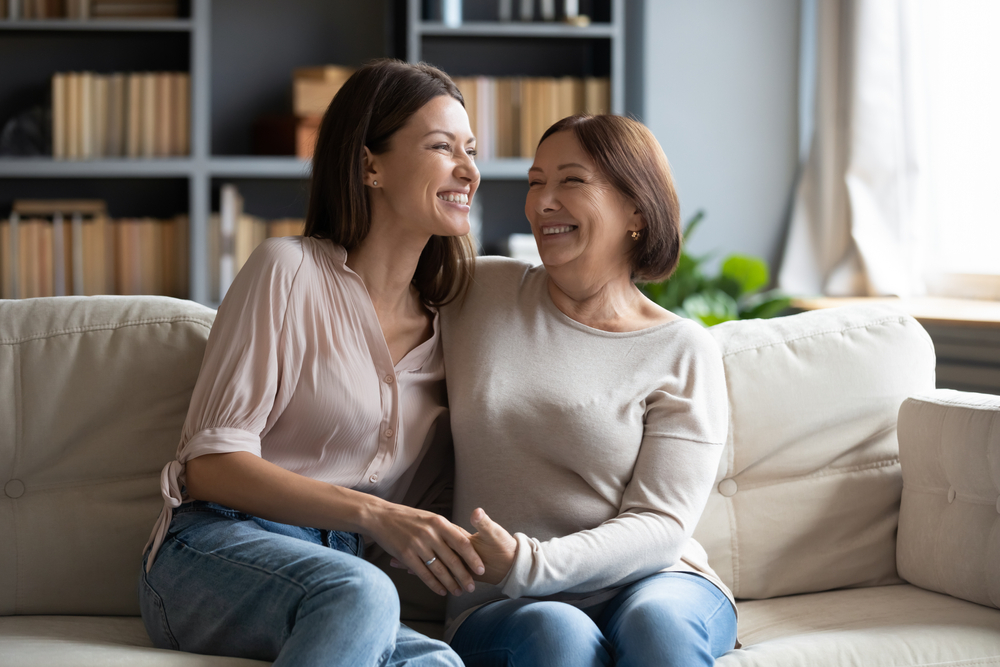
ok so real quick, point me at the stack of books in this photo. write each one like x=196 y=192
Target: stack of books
x=70 y=247
x=312 y=90
x=509 y=114
x=137 y=114
x=88 y=9
x=233 y=235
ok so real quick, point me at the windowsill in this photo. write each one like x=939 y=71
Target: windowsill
x=928 y=310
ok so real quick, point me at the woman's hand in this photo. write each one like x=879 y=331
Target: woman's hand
x=413 y=537
x=494 y=545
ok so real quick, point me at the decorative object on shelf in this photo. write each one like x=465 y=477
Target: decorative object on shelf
x=505 y=10
x=451 y=13
x=63 y=247
x=571 y=14
x=27 y=134
x=509 y=114
x=137 y=114
x=734 y=294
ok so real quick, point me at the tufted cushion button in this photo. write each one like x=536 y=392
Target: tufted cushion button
x=951 y=494
x=14 y=488
x=728 y=487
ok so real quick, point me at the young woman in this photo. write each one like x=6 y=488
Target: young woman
x=320 y=394
x=589 y=422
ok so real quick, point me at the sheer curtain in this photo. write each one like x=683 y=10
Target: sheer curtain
x=859 y=224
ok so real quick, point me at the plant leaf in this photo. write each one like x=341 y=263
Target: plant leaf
x=750 y=273
x=767 y=304
x=711 y=307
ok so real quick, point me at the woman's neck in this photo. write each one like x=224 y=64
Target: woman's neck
x=611 y=303
x=386 y=264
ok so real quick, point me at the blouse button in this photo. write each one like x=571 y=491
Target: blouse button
x=389 y=379
x=389 y=432
x=373 y=478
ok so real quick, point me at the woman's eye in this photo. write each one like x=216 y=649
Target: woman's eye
x=573 y=179
x=472 y=152
x=532 y=184
x=442 y=147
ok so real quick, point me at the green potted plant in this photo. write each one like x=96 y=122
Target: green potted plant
x=734 y=294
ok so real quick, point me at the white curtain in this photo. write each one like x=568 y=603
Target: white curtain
x=858 y=220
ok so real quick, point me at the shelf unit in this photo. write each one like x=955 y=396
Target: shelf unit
x=481 y=46
x=204 y=169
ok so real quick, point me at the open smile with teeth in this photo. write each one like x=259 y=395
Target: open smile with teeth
x=561 y=229
x=454 y=197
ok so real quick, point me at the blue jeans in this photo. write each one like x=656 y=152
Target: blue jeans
x=228 y=583
x=670 y=619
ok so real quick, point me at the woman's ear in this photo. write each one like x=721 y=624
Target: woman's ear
x=369 y=167
x=636 y=221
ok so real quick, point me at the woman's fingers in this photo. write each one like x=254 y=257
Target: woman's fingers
x=460 y=544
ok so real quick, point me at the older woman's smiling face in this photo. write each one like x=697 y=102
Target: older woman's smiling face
x=581 y=223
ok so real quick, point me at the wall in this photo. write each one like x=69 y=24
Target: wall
x=720 y=92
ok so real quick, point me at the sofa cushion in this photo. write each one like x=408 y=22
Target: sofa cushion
x=887 y=626
x=94 y=641
x=93 y=394
x=949 y=520
x=807 y=494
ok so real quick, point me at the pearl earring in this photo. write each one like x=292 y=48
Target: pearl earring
x=374 y=182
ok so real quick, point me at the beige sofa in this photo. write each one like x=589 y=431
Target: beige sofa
x=813 y=493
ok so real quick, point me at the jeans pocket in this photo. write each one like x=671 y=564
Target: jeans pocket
x=351 y=543
x=154 y=616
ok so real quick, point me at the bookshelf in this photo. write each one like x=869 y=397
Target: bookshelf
x=485 y=46
x=240 y=55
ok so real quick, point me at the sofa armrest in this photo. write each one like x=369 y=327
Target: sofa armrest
x=949 y=518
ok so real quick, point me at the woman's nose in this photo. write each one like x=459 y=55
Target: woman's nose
x=466 y=168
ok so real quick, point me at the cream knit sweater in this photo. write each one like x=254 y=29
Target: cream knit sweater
x=596 y=450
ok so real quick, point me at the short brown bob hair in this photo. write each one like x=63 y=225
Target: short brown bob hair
x=373 y=104
x=628 y=155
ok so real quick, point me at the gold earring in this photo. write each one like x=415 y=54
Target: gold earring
x=635 y=236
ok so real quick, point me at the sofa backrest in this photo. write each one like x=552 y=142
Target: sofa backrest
x=93 y=394
x=808 y=490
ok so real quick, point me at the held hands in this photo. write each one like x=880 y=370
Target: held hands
x=492 y=542
x=494 y=545
x=429 y=546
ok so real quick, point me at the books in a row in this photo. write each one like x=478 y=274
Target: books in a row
x=510 y=114
x=233 y=235
x=87 y=9
x=135 y=114
x=71 y=247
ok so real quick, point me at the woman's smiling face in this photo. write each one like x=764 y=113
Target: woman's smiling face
x=428 y=176
x=579 y=220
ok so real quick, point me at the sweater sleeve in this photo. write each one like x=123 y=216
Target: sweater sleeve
x=686 y=423
x=246 y=357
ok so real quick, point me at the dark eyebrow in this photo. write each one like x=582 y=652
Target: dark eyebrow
x=560 y=167
x=451 y=136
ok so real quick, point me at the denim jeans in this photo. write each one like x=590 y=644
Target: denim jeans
x=670 y=619
x=228 y=583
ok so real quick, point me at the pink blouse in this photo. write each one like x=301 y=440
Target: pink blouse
x=297 y=371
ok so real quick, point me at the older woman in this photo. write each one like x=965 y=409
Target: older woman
x=588 y=422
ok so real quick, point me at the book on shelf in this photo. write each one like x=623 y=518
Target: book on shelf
x=313 y=89
x=135 y=114
x=88 y=9
x=233 y=235
x=64 y=247
x=509 y=114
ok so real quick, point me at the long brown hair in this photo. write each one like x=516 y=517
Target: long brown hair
x=629 y=156
x=374 y=103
